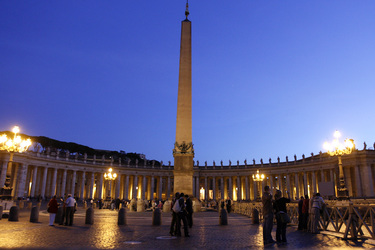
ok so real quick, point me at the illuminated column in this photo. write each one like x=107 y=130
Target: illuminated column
x=118 y=185
x=63 y=184
x=214 y=187
x=34 y=182
x=160 y=187
x=99 y=187
x=322 y=179
x=222 y=187
x=126 y=191
x=313 y=181
x=358 y=186
x=43 y=191
x=152 y=188
x=21 y=180
x=255 y=189
x=91 y=187
x=305 y=185
x=73 y=186
x=239 y=188
x=4 y=168
x=296 y=183
x=82 y=185
x=288 y=184
x=197 y=187
x=247 y=188
x=271 y=183
x=230 y=188
x=135 y=187
x=206 y=188
x=144 y=186
x=54 y=180
x=367 y=180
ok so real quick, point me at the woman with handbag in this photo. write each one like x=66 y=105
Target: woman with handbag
x=52 y=210
x=282 y=217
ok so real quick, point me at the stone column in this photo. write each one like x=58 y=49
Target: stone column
x=197 y=190
x=305 y=185
x=43 y=191
x=358 y=186
x=296 y=183
x=54 y=180
x=118 y=185
x=33 y=185
x=214 y=187
x=367 y=180
x=82 y=185
x=247 y=188
x=255 y=186
x=21 y=179
x=91 y=187
x=63 y=184
x=271 y=183
x=4 y=168
x=169 y=187
x=160 y=187
x=239 y=188
x=230 y=188
x=288 y=186
x=313 y=181
x=99 y=187
x=126 y=191
x=322 y=179
x=135 y=187
x=205 y=188
x=152 y=188
x=222 y=187
x=144 y=186
x=73 y=186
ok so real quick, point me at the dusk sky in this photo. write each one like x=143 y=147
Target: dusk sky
x=270 y=78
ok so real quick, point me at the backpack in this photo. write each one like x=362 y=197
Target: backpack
x=176 y=207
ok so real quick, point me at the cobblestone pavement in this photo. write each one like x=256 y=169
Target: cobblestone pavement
x=139 y=233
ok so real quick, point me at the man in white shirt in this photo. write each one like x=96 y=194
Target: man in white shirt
x=316 y=205
x=70 y=205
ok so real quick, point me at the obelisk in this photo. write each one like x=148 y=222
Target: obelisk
x=183 y=151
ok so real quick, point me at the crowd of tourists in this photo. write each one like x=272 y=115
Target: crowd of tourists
x=276 y=206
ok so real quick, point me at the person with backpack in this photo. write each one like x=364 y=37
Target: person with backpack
x=172 y=230
x=181 y=216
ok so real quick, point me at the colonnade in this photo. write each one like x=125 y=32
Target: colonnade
x=30 y=175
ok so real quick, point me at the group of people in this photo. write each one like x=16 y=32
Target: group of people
x=69 y=208
x=276 y=206
x=182 y=210
x=314 y=208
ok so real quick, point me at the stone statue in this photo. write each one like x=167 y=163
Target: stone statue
x=261 y=161
x=67 y=153
x=245 y=161
x=205 y=163
x=278 y=159
x=197 y=163
x=214 y=163
x=286 y=158
x=136 y=162
x=221 y=163
x=161 y=163
x=119 y=161
x=295 y=157
x=303 y=156
x=253 y=161
x=169 y=163
x=153 y=164
x=230 y=163
x=128 y=162
x=238 y=162
x=269 y=160
x=364 y=146
x=312 y=154
x=85 y=156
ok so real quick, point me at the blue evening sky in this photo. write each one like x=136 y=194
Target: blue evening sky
x=270 y=78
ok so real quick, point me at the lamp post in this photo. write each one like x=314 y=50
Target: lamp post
x=258 y=178
x=110 y=177
x=339 y=149
x=15 y=145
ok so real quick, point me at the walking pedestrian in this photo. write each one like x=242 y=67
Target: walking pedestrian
x=316 y=205
x=52 y=210
x=267 y=216
x=280 y=207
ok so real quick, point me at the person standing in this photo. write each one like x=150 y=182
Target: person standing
x=182 y=217
x=52 y=210
x=267 y=216
x=280 y=207
x=189 y=210
x=305 y=212
x=172 y=230
x=70 y=203
x=300 y=215
x=316 y=205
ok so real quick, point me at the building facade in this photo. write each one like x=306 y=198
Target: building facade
x=43 y=175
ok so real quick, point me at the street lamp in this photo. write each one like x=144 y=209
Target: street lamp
x=339 y=149
x=15 y=145
x=258 y=178
x=110 y=177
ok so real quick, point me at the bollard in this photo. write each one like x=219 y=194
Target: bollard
x=84 y=205
x=1 y=212
x=29 y=205
x=21 y=204
x=13 y=214
x=34 y=215
x=156 y=217
x=39 y=204
x=121 y=217
x=255 y=217
x=59 y=219
x=90 y=216
x=94 y=205
x=223 y=219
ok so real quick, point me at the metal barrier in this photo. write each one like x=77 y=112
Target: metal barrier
x=344 y=218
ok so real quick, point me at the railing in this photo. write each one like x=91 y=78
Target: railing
x=343 y=218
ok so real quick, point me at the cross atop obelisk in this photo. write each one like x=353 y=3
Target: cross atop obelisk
x=183 y=151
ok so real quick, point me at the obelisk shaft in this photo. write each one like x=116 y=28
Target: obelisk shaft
x=183 y=151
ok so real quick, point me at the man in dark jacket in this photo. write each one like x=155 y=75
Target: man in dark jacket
x=182 y=217
x=189 y=210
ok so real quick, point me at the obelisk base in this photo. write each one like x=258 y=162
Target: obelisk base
x=183 y=173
